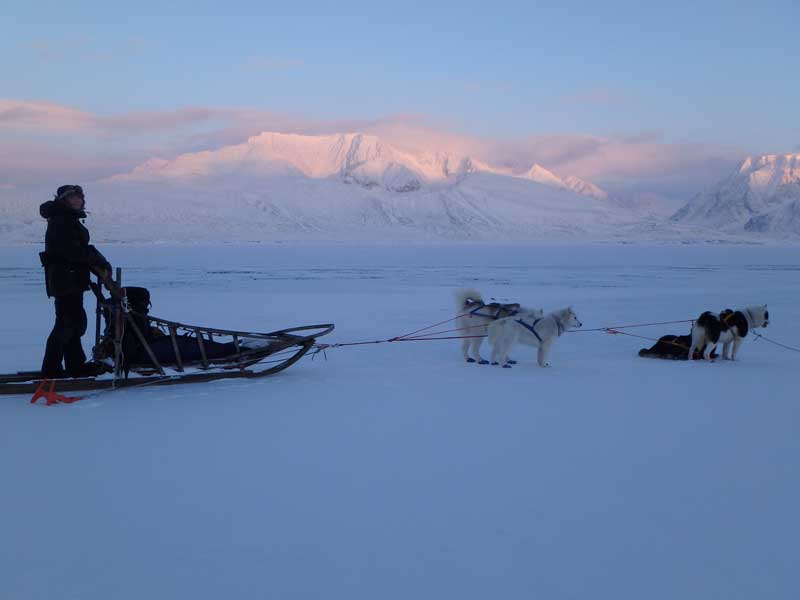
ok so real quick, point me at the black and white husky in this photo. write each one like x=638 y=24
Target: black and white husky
x=529 y=330
x=473 y=316
x=729 y=328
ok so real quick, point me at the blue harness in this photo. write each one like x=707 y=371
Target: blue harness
x=495 y=316
x=532 y=327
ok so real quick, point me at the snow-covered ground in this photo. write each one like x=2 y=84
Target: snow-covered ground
x=398 y=470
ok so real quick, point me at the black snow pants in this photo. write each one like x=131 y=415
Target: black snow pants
x=64 y=342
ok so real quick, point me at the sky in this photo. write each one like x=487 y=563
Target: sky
x=162 y=77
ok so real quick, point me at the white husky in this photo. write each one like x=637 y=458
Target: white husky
x=729 y=329
x=473 y=315
x=529 y=330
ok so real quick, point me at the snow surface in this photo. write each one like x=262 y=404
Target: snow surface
x=399 y=471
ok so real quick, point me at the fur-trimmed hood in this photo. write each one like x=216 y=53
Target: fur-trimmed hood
x=54 y=208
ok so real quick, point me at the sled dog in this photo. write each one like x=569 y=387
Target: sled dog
x=729 y=328
x=524 y=329
x=473 y=317
x=673 y=347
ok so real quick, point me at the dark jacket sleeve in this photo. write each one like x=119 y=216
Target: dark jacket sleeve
x=64 y=245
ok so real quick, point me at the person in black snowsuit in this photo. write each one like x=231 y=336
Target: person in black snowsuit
x=68 y=260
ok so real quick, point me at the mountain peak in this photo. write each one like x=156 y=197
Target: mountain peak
x=761 y=196
x=351 y=157
x=540 y=174
x=766 y=174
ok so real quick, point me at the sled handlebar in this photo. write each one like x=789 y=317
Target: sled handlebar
x=104 y=278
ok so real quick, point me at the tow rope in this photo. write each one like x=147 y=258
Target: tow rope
x=424 y=334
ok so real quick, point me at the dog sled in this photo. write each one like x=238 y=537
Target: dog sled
x=136 y=349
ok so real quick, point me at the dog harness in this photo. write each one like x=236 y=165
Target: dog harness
x=532 y=326
x=498 y=308
x=742 y=327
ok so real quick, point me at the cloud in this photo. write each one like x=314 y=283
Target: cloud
x=78 y=47
x=42 y=116
x=157 y=121
x=26 y=163
x=48 y=49
x=646 y=162
x=41 y=137
x=46 y=117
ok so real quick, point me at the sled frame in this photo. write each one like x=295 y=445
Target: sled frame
x=243 y=363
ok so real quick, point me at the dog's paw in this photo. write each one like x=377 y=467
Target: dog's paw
x=470 y=360
x=512 y=362
x=506 y=366
x=483 y=362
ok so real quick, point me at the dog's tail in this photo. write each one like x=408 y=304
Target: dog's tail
x=466 y=297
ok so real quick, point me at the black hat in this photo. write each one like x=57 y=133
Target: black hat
x=65 y=191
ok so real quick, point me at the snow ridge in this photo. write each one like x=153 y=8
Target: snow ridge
x=357 y=158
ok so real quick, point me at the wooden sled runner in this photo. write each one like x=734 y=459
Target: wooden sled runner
x=143 y=350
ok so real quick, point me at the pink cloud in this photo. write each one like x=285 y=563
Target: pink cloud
x=46 y=117
x=645 y=160
x=25 y=163
x=43 y=116
x=54 y=139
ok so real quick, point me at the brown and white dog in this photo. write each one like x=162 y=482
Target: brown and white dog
x=474 y=315
x=729 y=328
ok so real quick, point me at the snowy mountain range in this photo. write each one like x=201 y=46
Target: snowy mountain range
x=365 y=160
x=348 y=186
x=341 y=186
x=761 y=197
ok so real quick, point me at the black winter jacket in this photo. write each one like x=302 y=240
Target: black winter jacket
x=68 y=257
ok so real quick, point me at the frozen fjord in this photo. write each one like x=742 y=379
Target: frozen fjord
x=398 y=469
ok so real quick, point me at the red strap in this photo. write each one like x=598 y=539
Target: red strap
x=49 y=394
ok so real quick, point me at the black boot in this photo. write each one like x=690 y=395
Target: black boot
x=92 y=369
